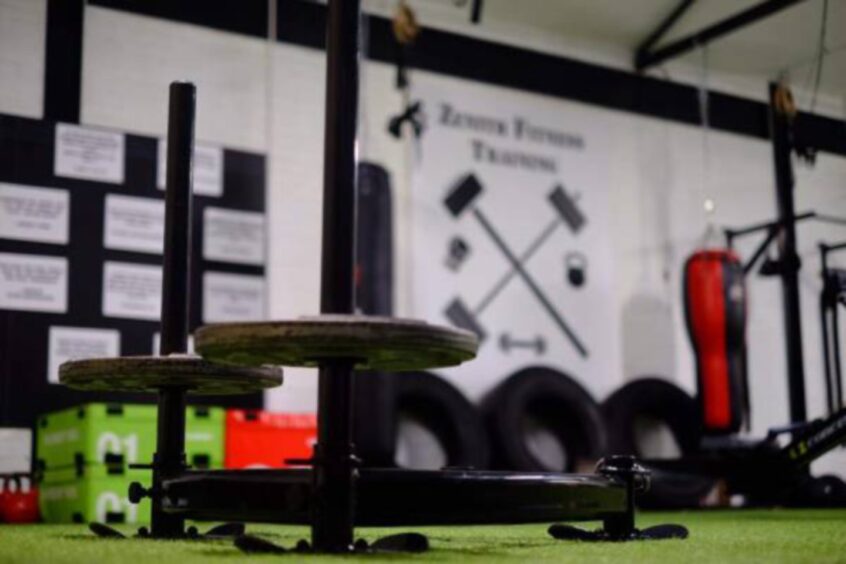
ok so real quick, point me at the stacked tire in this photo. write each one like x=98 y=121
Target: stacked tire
x=654 y=405
x=542 y=420
x=436 y=425
x=538 y=419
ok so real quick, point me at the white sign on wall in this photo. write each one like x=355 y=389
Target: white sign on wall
x=232 y=297
x=73 y=343
x=134 y=224
x=29 y=213
x=132 y=291
x=233 y=236
x=510 y=222
x=89 y=154
x=33 y=283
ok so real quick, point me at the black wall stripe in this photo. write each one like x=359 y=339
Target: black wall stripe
x=303 y=23
x=247 y=17
x=63 y=60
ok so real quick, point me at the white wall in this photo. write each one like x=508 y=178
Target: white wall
x=22 y=33
x=269 y=97
x=128 y=62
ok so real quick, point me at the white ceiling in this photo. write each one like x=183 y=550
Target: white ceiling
x=786 y=41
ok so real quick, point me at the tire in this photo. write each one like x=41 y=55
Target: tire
x=374 y=418
x=440 y=410
x=669 y=405
x=542 y=420
x=658 y=400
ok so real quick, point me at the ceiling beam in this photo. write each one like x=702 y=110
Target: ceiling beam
x=649 y=58
x=654 y=37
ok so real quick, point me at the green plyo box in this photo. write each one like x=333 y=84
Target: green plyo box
x=92 y=493
x=95 y=472
x=122 y=434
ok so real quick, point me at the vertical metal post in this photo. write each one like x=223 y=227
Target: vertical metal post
x=177 y=236
x=781 y=130
x=334 y=465
x=170 y=438
x=824 y=301
x=837 y=377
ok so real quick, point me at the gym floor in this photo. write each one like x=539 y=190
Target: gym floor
x=715 y=536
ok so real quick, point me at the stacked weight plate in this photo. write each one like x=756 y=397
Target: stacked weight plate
x=385 y=497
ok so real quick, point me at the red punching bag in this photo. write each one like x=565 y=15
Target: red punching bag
x=715 y=310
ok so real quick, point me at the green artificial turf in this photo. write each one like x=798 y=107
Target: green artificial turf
x=715 y=536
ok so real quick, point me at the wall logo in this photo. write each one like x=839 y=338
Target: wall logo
x=510 y=233
x=462 y=200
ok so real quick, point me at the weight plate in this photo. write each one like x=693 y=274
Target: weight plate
x=374 y=343
x=390 y=497
x=151 y=373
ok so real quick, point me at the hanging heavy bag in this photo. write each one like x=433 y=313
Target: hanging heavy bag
x=715 y=311
x=374 y=417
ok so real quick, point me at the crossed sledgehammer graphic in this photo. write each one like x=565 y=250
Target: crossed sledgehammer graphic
x=459 y=200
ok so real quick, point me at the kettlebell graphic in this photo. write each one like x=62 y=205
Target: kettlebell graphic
x=459 y=249
x=575 y=264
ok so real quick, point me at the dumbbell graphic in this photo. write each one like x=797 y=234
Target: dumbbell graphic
x=460 y=200
x=507 y=343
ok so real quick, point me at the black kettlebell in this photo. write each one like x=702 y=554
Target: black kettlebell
x=576 y=265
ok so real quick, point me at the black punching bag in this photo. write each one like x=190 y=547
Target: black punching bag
x=715 y=310
x=374 y=416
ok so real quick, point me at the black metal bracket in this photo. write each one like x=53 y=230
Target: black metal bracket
x=772 y=228
x=621 y=527
x=410 y=115
x=646 y=57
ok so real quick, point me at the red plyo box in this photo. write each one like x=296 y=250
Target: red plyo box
x=261 y=439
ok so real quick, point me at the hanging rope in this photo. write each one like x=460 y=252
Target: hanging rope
x=820 y=55
x=406 y=30
x=711 y=233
